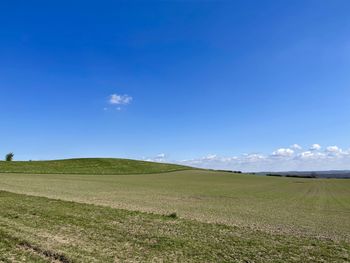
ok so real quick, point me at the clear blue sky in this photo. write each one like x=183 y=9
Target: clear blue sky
x=220 y=78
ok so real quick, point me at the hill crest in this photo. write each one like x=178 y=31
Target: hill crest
x=89 y=166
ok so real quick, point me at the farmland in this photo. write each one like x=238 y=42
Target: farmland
x=221 y=217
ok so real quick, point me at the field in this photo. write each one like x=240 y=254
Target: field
x=221 y=217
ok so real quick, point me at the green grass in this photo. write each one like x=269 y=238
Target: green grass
x=88 y=166
x=313 y=207
x=210 y=216
x=36 y=229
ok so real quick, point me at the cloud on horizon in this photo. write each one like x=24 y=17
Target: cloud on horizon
x=296 y=147
x=315 y=147
x=160 y=158
x=282 y=159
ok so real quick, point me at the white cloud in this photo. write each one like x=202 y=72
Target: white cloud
x=254 y=157
x=296 y=147
x=116 y=99
x=161 y=157
x=283 y=152
x=310 y=155
x=210 y=157
x=333 y=149
x=307 y=154
x=315 y=147
x=283 y=159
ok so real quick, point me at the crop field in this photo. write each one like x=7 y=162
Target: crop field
x=220 y=217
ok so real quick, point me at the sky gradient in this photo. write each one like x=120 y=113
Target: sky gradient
x=219 y=84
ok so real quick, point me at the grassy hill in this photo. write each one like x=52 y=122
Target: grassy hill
x=89 y=166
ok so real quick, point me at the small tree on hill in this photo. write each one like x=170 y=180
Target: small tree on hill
x=9 y=157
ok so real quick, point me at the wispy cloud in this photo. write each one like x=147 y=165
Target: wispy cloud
x=116 y=99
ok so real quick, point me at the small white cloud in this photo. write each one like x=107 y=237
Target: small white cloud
x=315 y=147
x=296 y=147
x=311 y=155
x=307 y=154
x=116 y=99
x=253 y=157
x=158 y=158
x=210 y=157
x=283 y=152
x=161 y=155
x=334 y=150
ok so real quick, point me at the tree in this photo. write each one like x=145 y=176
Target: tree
x=9 y=157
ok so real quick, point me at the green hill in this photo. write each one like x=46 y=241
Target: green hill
x=89 y=166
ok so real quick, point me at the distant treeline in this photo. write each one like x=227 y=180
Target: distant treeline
x=278 y=175
x=312 y=175
x=229 y=171
x=293 y=175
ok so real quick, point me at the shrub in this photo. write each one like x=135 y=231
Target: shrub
x=274 y=175
x=172 y=215
x=9 y=157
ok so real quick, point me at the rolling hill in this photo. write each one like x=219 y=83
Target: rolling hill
x=89 y=166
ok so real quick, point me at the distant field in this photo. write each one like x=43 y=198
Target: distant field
x=89 y=166
x=316 y=207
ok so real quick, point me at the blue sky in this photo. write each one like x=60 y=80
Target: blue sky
x=209 y=83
